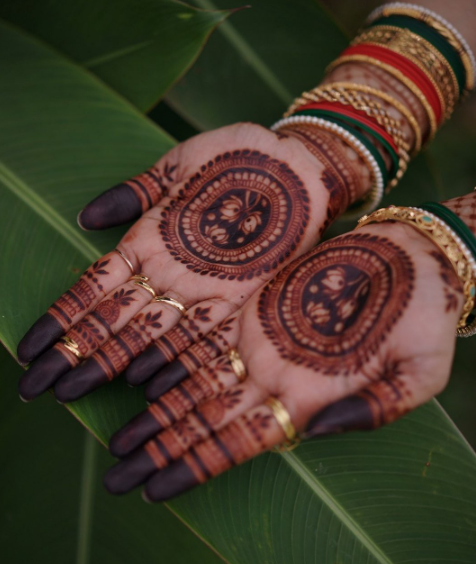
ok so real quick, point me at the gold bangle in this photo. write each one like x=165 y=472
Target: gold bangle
x=237 y=364
x=443 y=237
x=422 y=54
x=442 y=30
x=350 y=96
x=142 y=284
x=125 y=259
x=397 y=74
x=284 y=421
x=170 y=301
x=72 y=346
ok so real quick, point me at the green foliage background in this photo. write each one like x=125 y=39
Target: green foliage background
x=402 y=494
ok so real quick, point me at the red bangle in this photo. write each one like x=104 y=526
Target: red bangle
x=406 y=67
x=358 y=115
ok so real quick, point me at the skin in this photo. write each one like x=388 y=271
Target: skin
x=352 y=335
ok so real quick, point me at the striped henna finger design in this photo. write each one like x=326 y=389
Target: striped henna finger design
x=98 y=280
x=216 y=343
x=174 y=441
x=129 y=200
x=202 y=385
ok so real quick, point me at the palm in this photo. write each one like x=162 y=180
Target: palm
x=351 y=335
x=229 y=211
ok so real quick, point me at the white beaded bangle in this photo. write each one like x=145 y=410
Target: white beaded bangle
x=376 y=192
x=378 y=11
x=470 y=330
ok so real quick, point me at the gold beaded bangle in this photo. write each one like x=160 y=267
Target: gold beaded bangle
x=444 y=238
x=442 y=30
x=422 y=54
x=350 y=96
x=397 y=74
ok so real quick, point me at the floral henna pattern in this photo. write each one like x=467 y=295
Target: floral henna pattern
x=452 y=286
x=80 y=296
x=241 y=215
x=465 y=208
x=332 y=309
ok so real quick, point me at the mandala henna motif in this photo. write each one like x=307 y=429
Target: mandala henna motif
x=332 y=309
x=242 y=215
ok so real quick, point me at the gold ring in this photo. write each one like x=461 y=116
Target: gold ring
x=72 y=346
x=125 y=259
x=237 y=365
x=143 y=284
x=284 y=421
x=141 y=277
x=174 y=303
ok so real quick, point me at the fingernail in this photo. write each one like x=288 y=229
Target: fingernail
x=351 y=413
x=114 y=207
x=129 y=473
x=42 y=374
x=144 y=497
x=167 y=378
x=170 y=482
x=41 y=335
x=145 y=366
x=140 y=429
x=80 y=381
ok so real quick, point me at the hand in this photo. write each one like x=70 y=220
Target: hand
x=226 y=210
x=352 y=335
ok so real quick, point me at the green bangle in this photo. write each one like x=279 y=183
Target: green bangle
x=433 y=37
x=454 y=222
x=343 y=121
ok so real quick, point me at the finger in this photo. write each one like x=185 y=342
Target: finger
x=110 y=315
x=172 y=443
x=216 y=343
x=129 y=200
x=199 y=320
x=116 y=353
x=247 y=436
x=204 y=384
x=381 y=402
x=98 y=280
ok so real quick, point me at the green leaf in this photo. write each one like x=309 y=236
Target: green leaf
x=140 y=47
x=399 y=495
x=255 y=64
x=54 y=508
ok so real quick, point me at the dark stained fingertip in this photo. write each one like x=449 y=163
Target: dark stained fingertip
x=139 y=429
x=42 y=374
x=41 y=335
x=166 y=379
x=145 y=366
x=349 y=414
x=114 y=207
x=170 y=482
x=80 y=381
x=129 y=473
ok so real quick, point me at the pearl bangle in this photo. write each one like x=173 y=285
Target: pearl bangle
x=376 y=192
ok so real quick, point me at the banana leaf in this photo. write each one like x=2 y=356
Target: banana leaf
x=53 y=501
x=402 y=494
x=140 y=48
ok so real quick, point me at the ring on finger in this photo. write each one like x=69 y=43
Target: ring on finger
x=141 y=281
x=72 y=346
x=283 y=418
x=125 y=259
x=237 y=365
x=170 y=301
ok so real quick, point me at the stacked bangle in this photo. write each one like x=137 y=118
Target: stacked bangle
x=448 y=241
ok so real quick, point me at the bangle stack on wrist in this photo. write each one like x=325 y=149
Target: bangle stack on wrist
x=426 y=54
x=452 y=237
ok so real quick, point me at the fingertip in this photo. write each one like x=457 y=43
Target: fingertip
x=165 y=380
x=129 y=473
x=170 y=482
x=41 y=335
x=135 y=433
x=116 y=206
x=145 y=497
x=145 y=366
x=79 y=382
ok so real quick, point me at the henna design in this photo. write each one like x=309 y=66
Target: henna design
x=80 y=296
x=241 y=215
x=331 y=310
x=465 y=208
x=200 y=314
x=452 y=283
